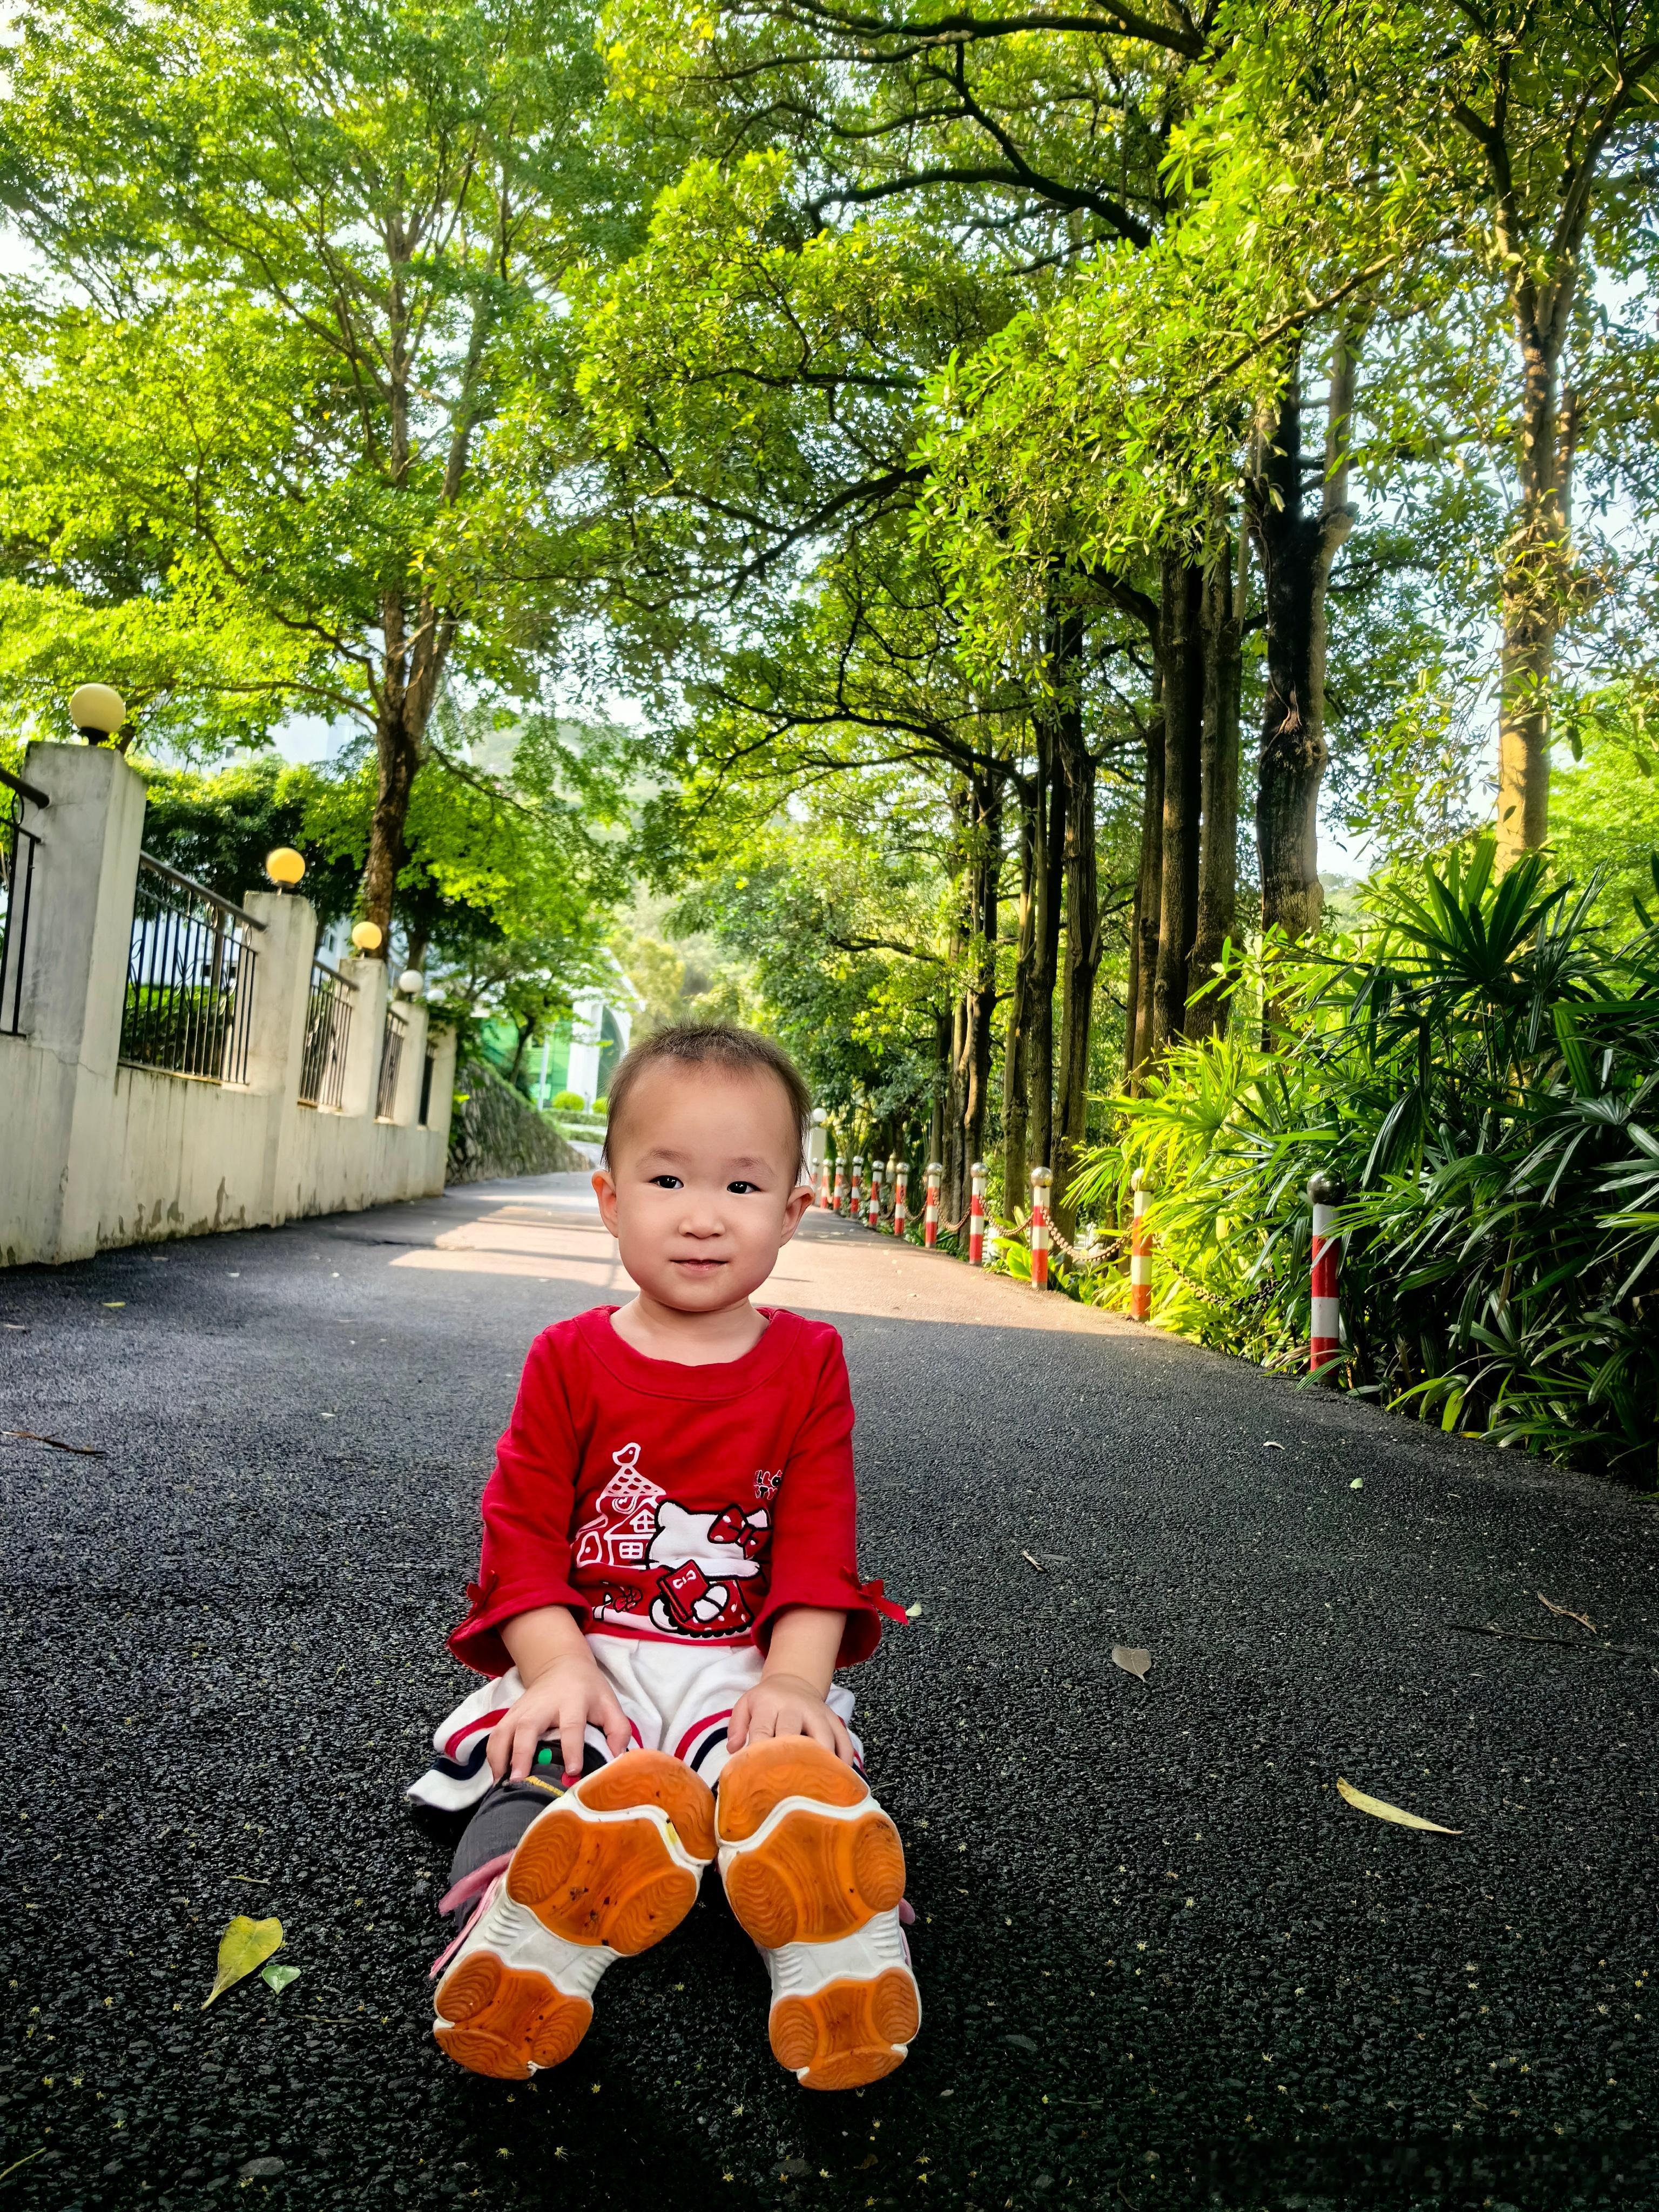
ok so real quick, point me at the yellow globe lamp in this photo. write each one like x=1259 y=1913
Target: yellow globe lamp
x=285 y=867
x=97 y=712
x=367 y=937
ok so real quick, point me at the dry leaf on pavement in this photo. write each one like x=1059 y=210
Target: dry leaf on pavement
x=1380 y=1810
x=1583 y=1620
x=34 y=1437
x=245 y=1945
x=1132 y=1659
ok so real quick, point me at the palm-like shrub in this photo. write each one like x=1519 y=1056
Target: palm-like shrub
x=1481 y=1071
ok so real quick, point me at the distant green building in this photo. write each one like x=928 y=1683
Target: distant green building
x=579 y=1054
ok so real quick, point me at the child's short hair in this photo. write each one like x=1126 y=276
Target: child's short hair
x=723 y=1045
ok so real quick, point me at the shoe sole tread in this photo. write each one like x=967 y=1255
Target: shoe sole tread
x=502 y=2020
x=616 y=1881
x=847 y=2033
x=795 y=1874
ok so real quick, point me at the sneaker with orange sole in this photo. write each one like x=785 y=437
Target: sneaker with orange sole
x=814 y=1870
x=608 y=1869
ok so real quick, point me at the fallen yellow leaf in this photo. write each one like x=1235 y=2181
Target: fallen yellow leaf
x=245 y=1945
x=1380 y=1810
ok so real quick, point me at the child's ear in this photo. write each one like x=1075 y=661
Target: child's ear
x=794 y=1212
x=604 y=1189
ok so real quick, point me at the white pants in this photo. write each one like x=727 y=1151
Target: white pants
x=677 y=1698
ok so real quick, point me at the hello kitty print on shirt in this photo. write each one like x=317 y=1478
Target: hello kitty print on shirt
x=689 y=1577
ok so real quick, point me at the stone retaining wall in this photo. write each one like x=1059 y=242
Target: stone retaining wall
x=495 y=1131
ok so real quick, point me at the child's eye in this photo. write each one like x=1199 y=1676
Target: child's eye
x=666 y=1182
x=742 y=1188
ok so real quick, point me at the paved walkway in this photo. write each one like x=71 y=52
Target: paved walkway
x=1161 y=1962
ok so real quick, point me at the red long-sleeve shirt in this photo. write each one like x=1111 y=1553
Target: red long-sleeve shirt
x=685 y=1504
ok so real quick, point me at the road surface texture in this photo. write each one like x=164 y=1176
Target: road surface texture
x=1163 y=1962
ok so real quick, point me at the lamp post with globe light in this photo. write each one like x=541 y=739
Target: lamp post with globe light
x=97 y=712
x=285 y=867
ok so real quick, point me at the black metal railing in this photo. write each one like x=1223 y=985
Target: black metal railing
x=391 y=1060
x=422 y=1120
x=328 y=1032
x=18 y=848
x=189 y=1007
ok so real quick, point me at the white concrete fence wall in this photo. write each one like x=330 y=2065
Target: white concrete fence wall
x=96 y=1152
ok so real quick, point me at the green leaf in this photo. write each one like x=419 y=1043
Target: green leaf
x=277 y=1975
x=245 y=1945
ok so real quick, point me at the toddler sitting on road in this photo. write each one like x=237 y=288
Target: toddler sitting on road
x=669 y=1581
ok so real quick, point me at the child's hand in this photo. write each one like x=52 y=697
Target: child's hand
x=786 y=1704
x=563 y=1699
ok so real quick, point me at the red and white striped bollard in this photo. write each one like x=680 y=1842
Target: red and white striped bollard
x=856 y=1196
x=930 y=1207
x=1140 y=1252
x=1324 y=1334
x=901 y=1198
x=1042 y=1180
x=838 y=1197
x=872 y=1214
x=818 y=1158
x=976 y=1215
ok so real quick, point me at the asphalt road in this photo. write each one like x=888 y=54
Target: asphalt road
x=1163 y=1963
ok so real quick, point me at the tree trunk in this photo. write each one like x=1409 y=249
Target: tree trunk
x=1050 y=853
x=956 y=1160
x=1082 y=935
x=417 y=634
x=398 y=749
x=1182 y=654
x=985 y=885
x=1536 y=571
x=956 y=1164
x=1297 y=551
x=941 y=1079
x=1017 y=1036
x=1223 y=615
x=1541 y=252
x=1149 y=890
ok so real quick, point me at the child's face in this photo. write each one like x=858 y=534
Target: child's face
x=703 y=1185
